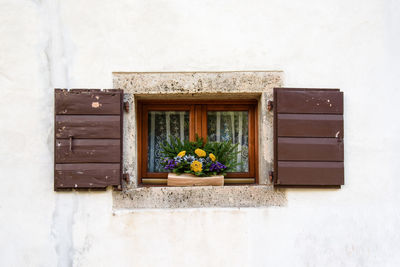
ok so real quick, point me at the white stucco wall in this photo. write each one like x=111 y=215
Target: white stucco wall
x=352 y=45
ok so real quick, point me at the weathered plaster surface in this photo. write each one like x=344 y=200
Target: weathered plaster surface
x=199 y=197
x=193 y=85
x=197 y=82
x=351 y=45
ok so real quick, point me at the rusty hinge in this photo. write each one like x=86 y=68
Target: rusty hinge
x=126 y=106
x=271 y=176
x=125 y=176
x=270 y=105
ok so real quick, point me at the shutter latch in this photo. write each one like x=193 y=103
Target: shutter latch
x=270 y=105
x=70 y=142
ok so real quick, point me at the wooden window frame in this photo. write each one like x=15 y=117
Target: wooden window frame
x=197 y=124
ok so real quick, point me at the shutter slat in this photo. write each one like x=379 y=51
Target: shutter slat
x=87 y=126
x=310 y=101
x=87 y=102
x=88 y=150
x=88 y=138
x=310 y=125
x=310 y=149
x=308 y=137
x=86 y=175
x=310 y=173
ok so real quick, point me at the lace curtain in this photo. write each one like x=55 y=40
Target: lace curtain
x=231 y=125
x=221 y=126
x=162 y=125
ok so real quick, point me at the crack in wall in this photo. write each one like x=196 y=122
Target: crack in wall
x=62 y=227
x=54 y=70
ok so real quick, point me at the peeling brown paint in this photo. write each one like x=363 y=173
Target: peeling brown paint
x=95 y=104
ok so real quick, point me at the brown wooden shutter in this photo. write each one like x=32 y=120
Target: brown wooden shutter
x=308 y=137
x=88 y=139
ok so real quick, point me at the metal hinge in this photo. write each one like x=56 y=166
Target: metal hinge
x=271 y=176
x=125 y=176
x=270 y=105
x=126 y=106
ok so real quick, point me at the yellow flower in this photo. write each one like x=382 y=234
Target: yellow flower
x=212 y=156
x=182 y=153
x=200 y=153
x=196 y=166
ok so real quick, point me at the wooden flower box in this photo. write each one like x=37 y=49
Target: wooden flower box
x=192 y=180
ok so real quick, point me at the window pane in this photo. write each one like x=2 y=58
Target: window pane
x=231 y=125
x=162 y=125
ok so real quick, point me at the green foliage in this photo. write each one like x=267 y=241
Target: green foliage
x=225 y=153
x=171 y=149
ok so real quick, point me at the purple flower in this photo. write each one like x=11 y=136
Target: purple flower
x=217 y=167
x=171 y=164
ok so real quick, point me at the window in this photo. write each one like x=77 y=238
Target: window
x=215 y=120
x=308 y=136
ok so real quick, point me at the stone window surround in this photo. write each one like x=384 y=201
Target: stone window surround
x=198 y=85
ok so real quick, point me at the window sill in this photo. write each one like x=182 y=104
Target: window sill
x=228 y=181
x=199 y=197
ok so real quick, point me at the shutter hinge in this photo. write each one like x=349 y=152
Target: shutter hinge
x=270 y=105
x=126 y=106
x=271 y=176
x=125 y=176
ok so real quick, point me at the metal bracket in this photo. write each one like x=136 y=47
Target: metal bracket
x=270 y=105
x=271 y=176
x=126 y=106
x=125 y=176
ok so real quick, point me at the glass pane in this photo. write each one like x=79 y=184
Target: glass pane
x=162 y=125
x=231 y=125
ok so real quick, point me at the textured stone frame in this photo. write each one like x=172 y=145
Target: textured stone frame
x=199 y=85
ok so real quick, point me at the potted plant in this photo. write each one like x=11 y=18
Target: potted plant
x=198 y=162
